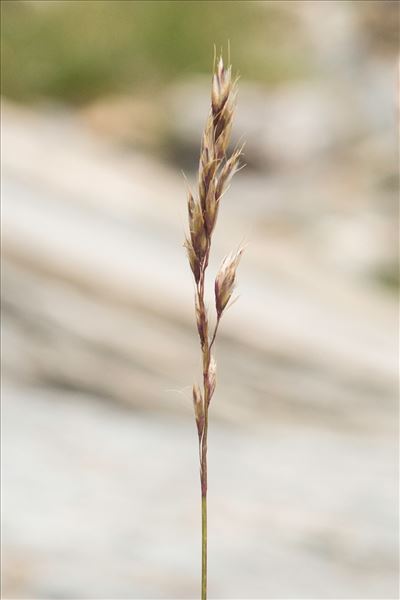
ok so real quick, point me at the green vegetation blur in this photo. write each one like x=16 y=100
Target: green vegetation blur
x=78 y=50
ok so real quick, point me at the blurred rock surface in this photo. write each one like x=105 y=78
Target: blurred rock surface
x=100 y=463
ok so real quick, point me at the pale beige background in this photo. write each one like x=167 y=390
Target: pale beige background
x=100 y=474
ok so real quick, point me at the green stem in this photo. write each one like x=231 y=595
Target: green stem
x=204 y=547
x=204 y=488
x=204 y=505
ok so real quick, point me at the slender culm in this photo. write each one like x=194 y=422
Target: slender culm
x=216 y=170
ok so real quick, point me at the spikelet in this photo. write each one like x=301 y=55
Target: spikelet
x=225 y=280
x=227 y=172
x=198 y=409
x=223 y=98
x=196 y=227
x=211 y=378
x=201 y=321
x=193 y=260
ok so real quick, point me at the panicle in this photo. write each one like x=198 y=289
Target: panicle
x=216 y=169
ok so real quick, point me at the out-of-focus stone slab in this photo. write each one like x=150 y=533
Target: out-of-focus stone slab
x=98 y=296
x=104 y=503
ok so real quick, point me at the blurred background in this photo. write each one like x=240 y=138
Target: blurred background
x=103 y=107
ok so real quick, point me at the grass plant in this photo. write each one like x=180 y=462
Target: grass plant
x=216 y=170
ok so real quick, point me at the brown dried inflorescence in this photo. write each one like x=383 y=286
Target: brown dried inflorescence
x=216 y=170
